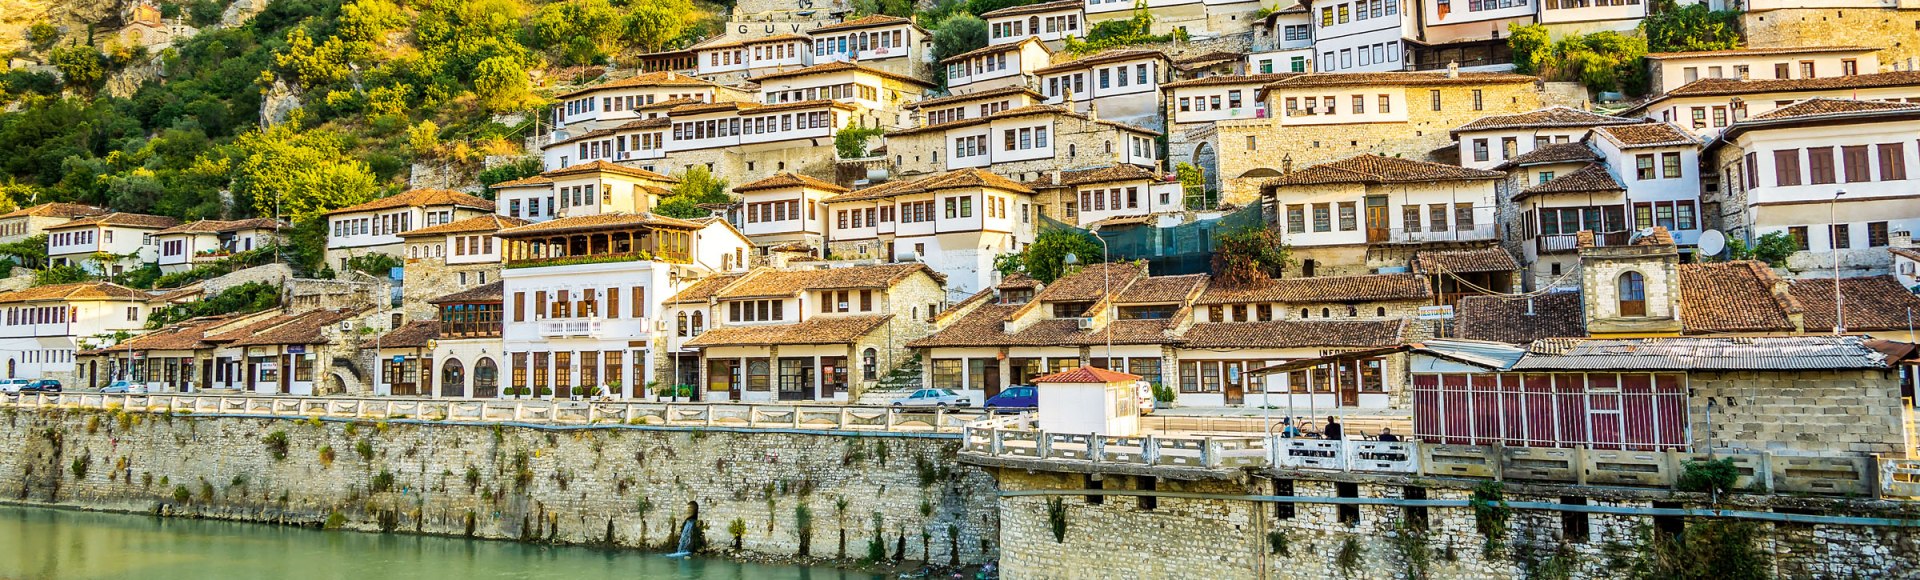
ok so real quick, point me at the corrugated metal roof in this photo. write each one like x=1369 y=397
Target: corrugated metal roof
x=1492 y=355
x=1703 y=353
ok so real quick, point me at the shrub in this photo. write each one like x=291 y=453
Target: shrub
x=1714 y=476
x=382 y=481
x=326 y=455
x=335 y=520
x=181 y=495
x=276 y=445
x=364 y=448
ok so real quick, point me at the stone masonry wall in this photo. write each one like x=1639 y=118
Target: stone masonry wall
x=1895 y=31
x=1809 y=411
x=622 y=486
x=1216 y=538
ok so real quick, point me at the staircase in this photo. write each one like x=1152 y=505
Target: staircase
x=902 y=381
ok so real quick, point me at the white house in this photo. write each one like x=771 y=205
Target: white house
x=375 y=226
x=1332 y=213
x=1660 y=166
x=995 y=66
x=1571 y=17
x=888 y=43
x=1359 y=35
x=1085 y=197
x=1492 y=140
x=1471 y=33
x=28 y=222
x=1707 y=106
x=107 y=244
x=1050 y=22
x=1022 y=143
x=1283 y=42
x=184 y=246
x=1670 y=70
x=528 y=198
x=959 y=107
x=786 y=208
x=612 y=103
x=955 y=222
x=45 y=326
x=750 y=56
x=1124 y=84
x=879 y=93
x=1784 y=171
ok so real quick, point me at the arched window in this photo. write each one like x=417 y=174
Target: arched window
x=453 y=379
x=682 y=326
x=1353 y=312
x=699 y=323
x=1326 y=313
x=1633 y=294
x=1303 y=314
x=870 y=364
x=1033 y=25
x=486 y=379
x=1381 y=311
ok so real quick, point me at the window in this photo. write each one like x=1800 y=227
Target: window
x=1478 y=101
x=1799 y=235
x=1348 y=216
x=1840 y=236
x=1876 y=234
x=1386 y=104
x=1480 y=150
x=1437 y=217
x=1786 y=167
x=1893 y=162
x=1856 y=167
x=1849 y=67
x=1410 y=218
x=1643 y=166
x=1322 y=217
x=1434 y=95
x=1819 y=165
x=1633 y=295
x=1806 y=69
x=1296 y=219
x=1670 y=165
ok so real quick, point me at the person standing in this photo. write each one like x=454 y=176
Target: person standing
x=1332 y=431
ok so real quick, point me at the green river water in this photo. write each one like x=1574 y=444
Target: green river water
x=50 y=544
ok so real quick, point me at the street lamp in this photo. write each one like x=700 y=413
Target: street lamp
x=1833 y=242
x=1106 y=294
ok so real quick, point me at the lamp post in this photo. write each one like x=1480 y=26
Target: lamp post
x=1106 y=274
x=1833 y=242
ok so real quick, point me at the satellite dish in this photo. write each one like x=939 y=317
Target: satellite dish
x=1712 y=242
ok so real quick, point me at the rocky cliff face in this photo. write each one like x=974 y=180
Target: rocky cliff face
x=73 y=16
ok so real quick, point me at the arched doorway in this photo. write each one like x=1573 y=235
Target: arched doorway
x=1208 y=161
x=453 y=379
x=486 y=379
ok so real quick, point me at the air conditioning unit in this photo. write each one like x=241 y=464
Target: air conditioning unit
x=1083 y=323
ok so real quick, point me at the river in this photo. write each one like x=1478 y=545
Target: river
x=37 y=543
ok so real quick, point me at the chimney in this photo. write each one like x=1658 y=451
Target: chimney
x=1093 y=111
x=1453 y=69
x=1055 y=177
x=1529 y=306
x=1900 y=239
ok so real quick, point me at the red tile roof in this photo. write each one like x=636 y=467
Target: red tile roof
x=1594 y=178
x=791 y=179
x=1647 y=135
x=131 y=220
x=1369 y=168
x=1549 y=117
x=1462 y=261
x=1822 y=106
x=605 y=167
x=1217 y=80
x=1362 y=288
x=1087 y=375
x=420 y=198
x=75 y=291
x=1108 y=174
x=65 y=210
x=868 y=21
x=1073 y=5
x=598 y=221
x=1554 y=153
x=415 y=334
x=705 y=289
x=817 y=330
x=1101 y=58
x=1297 y=334
x=652 y=79
x=485 y=223
x=1734 y=297
x=1868 y=303
x=765 y=282
x=221 y=226
x=977 y=95
x=1520 y=320
x=1092 y=282
x=959 y=178
x=494 y=291
x=834 y=67
x=1758 y=51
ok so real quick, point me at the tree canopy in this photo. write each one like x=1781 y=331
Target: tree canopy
x=1045 y=258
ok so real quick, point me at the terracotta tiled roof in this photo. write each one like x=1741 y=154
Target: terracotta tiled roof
x=835 y=67
x=1162 y=289
x=1868 y=303
x=494 y=291
x=485 y=223
x=65 y=210
x=410 y=335
x=1758 y=51
x=1592 y=178
x=652 y=79
x=1018 y=282
x=1208 y=58
x=1733 y=297
x=1520 y=320
x=790 y=179
x=817 y=330
x=868 y=21
x=220 y=226
x=959 y=178
x=1461 y=261
x=304 y=328
x=977 y=95
x=597 y=221
x=1655 y=236
x=983 y=326
x=420 y=198
x=1373 y=79
x=764 y=282
x=1246 y=79
x=1369 y=168
x=1090 y=283
x=524 y=182
x=986 y=326
x=184 y=335
x=1543 y=118
x=1554 y=153
x=1108 y=174
x=1647 y=135
x=1094 y=375
x=647 y=123
x=132 y=220
x=1296 y=334
x=666 y=104
x=705 y=289
x=1362 y=288
x=605 y=167
x=1074 y=5
x=994 y=49
x=1101 y=58
x=75 y=291
x=1719 y=87
x=1829 y=106
x=1015 y=112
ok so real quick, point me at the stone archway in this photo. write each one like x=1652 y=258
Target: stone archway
x=1208 y=160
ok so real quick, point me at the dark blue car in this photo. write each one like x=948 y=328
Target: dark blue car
x=1015 y=397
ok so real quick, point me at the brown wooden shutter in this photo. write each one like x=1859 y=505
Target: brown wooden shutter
x=613 y=303
x=1786 y=167
x=519 y=306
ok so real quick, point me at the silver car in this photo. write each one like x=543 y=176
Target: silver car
x=12 y=386
x=933 y=398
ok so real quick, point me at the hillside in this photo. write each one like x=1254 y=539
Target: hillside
x=306 y=106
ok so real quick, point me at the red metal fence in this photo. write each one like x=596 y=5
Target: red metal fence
x=1638 y=411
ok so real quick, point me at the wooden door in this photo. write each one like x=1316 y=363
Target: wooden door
x=253 y=373
x=1378 y=227
x=286 y=374
x=1348 y=379
x=1234 y=379
x=992 y=381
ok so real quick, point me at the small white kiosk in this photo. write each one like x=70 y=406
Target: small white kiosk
x=1089 y=400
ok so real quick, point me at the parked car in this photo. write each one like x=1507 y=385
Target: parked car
x=124 y=387
x=42 y=386
x=933 y=398
x=1147 y=401
x=13 y=385
x=1015 y=397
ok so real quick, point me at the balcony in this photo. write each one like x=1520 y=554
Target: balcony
x=1550 y=244
x=1481 y=232
x=571 y=327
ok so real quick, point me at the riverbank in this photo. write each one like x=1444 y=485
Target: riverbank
x=779 y=496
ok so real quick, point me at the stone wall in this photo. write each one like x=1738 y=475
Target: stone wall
x=1226 y=538
x=1807 y=412
x=1893 y=30
x=625 y=486
x=429 y=278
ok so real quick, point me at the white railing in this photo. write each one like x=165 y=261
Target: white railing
x=558 y=327
x=1018 y=437
x=542 y=411
x=1344 y=455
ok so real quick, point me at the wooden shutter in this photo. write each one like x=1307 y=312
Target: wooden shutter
x=613 y=303
x=519 y=306
x=1786 y=167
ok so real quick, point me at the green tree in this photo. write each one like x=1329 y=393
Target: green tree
x=579 y=29
x=299 y=175
x=82 y=67
x=1532 y=47
x=1772 y=248
x=525 y=167
x=501 y=84
x=1695 y=27
x=1249 y=255
x=28 y=253
x=1045 y=259
x=887 y=7
x=374 y=264
x=955 y=35
x=697 y=186
x=61 y=274
x=655 y=26
x=41 y=35
x=1193 y=186
x=851 y=141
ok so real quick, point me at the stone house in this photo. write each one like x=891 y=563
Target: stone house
x=956 y=223
x=1239 y=329
x=1488 y=142
x=1021 y=143
x=28 y=222
x=1123 y=84
x=375 y=226
x=187 y=245
x=467 y=341
x=46 y=326
x=1194 y=105
x=1564 y=19
x=1051 y=22
x=449 y=258
x=1091 y=196
x=1670 y=70
x=889 y=43
x=1708 y=106
x=1777 y=171
x=1364 y=212
x=1317 y=118
x=309 y=353
x=796 y=334
x=106 y=244
x=786 y=208
x=404 y=362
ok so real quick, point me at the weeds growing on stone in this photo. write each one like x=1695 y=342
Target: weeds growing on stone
x=181 y=495
x=1057 y=519
x=364 y=448
x=276 y=443
x=1348 y=559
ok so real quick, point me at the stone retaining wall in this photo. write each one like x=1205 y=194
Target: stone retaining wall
x=624 y=486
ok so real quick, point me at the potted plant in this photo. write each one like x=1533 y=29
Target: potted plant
x=653 y=388
x=613 y=389
x=543 y=391
x=583 y=391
